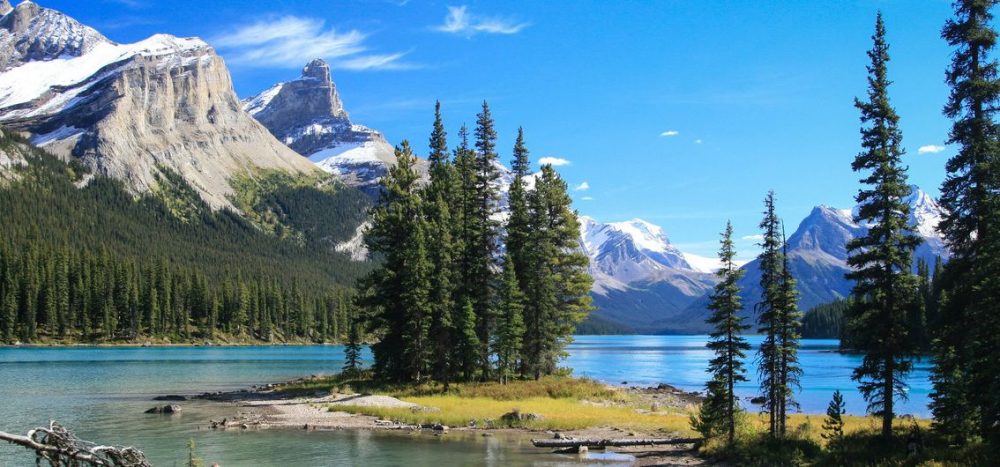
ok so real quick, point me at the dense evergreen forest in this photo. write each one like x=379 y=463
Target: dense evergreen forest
x=448 y=303
x=95 y=263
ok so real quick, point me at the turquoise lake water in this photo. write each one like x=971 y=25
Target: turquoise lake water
x=102 y=392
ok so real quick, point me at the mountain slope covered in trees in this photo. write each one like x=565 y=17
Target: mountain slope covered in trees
x=81 y=258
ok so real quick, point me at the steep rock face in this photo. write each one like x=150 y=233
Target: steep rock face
x=131 y=111
x=307 y=115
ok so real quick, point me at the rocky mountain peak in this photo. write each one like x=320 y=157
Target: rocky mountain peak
x=30 y=32
x=5 y=7
x=307 y=115
x=317 y=69
x=131 y=111
x=296 y=108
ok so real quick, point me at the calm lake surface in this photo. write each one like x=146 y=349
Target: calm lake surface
x=102 y=392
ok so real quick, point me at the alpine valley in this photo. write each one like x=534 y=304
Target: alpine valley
x=158 y=124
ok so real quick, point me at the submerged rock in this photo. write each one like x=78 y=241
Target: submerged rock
x=171 y=397
x=166 y=409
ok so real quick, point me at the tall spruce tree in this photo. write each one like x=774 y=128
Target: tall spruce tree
x=483 y=243
x=769 y=310
x=726 y=341
x=518 y=227
x=881 y=259
x=558 y=282
x=966 y=357
x=789 y=322
x=438 y=206
x=510 y=323
x=397 y=293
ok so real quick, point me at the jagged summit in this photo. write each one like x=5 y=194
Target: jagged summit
x=131 y=111
x=30 y=32
x=307 y=115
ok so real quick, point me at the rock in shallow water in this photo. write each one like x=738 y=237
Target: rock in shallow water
x=166 y=409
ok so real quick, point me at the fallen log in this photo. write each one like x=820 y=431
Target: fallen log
x=608 y=443
x=61 y=448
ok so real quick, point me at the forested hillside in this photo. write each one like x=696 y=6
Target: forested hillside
x=95 y=263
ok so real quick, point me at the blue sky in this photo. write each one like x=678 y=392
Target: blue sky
x=683 y=113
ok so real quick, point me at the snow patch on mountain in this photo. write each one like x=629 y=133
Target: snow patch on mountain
x=70 y=76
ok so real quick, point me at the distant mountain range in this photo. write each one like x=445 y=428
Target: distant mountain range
x=142 y=112
x=644 y=283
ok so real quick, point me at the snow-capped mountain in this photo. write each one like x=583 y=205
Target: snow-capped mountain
x=817 y=253
x=307 y=115
x=130 y=111
x=639 y=277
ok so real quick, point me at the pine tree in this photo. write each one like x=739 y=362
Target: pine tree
x=483 y=243
x=397 y=292
x=833 y=425
x=881 y=259
x=438 y=205
x=439 y=140
x=557 y=285
x=789 y=322
x=466 y=352
x=725 y=340
x=966 y=357
x=352 y=350
x=442 y=302
x=518 y=227
x=510 y=323
x=769 y=311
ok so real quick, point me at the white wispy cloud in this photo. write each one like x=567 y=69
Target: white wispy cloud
x=587 y=198
x=755 y=238
x=670 y=133
x=291 y=41
x=582 y=187
x=460 y=21
x=697 y=141
x=553 y=161
x=930 y=149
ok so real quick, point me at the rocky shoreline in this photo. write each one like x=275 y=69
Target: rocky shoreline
x=267 y=406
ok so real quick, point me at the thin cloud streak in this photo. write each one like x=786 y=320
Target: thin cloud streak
x=582 y=187
x=460 y=21
x=290 y=41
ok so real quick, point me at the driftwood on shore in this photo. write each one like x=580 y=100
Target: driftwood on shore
x=607 y=443
x=61 y=448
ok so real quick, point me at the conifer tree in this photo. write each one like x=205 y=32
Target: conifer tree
x=438 y=203
x=352 y=349
x=397 y=292
x=518 y=227
x=881 y=259
x=557 y=283
x=466 y=352
x=510 y=323
x=483 y=242
x=726 y=340
x=789 y=322
x=833 y=425
x=966 y=355
x=769 y=311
